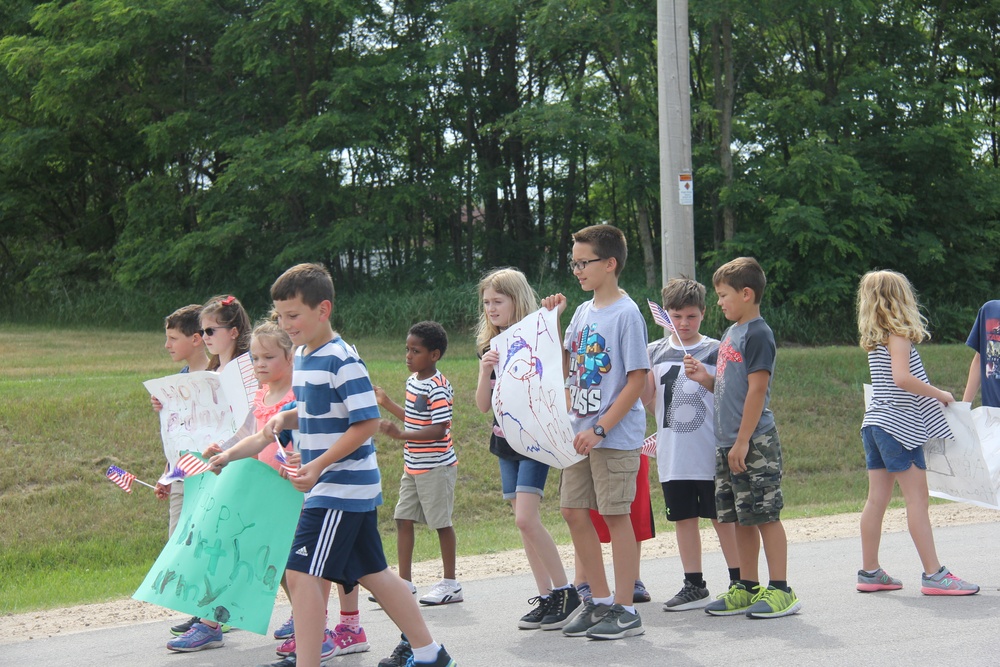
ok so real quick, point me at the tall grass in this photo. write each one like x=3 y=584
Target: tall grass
x=72 y=402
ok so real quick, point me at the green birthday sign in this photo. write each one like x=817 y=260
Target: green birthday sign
x=225 y=559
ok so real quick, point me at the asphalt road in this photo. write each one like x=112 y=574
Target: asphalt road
x=837 y=625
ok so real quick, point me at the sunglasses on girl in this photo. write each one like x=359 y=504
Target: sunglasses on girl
x=210 y=331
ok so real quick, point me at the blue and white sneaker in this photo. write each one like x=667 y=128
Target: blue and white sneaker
x=443 y=660
x=198 y=638
x=286 y=630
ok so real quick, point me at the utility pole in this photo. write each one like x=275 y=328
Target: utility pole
x=676 y=177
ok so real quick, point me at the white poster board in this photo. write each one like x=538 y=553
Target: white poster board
x=203 y=407
x=967 y=468
x=529 y=398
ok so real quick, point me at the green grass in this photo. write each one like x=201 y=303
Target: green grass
x=72 y=403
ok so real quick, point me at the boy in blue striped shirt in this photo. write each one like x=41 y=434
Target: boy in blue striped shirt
x=337 y=536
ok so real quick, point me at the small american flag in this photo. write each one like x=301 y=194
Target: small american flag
x=174 y=475
x=282 y=458
x=280 y=453
x=660 y=316
x=649 y=446
x=191 y=465
x=121 y=478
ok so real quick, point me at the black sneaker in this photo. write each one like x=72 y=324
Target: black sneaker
x=287 y=661
x=689 y=597
x=400 y=655
x=563 y=603
x=533 y=619
x=181 y=628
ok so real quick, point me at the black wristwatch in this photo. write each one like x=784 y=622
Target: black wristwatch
x=599 y=430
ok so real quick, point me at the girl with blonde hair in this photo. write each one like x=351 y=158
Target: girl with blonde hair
x=507 y=298
x=904 y=413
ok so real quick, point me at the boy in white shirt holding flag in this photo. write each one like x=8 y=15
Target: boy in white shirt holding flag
x=685 y=437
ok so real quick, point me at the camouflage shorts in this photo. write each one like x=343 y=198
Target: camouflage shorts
x=753 y=497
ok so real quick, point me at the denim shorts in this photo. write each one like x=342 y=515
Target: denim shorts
x=884 y=451
x=524 y=476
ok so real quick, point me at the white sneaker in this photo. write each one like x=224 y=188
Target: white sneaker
x=413 y=589
x=443 y=592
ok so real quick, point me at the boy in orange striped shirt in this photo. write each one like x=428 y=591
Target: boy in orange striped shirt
x=427 y=488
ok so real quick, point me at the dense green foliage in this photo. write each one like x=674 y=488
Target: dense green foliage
x=190 y=148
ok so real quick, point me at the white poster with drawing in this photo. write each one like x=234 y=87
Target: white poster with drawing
x=203 y=407
x=967 y=468
x=529 y=398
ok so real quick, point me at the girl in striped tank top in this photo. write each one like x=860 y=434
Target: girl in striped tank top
x=904 y=413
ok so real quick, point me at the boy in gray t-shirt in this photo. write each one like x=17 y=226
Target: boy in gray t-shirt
x=748 y=461
x=606 y=365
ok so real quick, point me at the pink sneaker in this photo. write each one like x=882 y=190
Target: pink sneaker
x=348 y=641
x=287 y=647
x=329 y=648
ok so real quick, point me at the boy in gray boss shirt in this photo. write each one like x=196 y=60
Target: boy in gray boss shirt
x=748 y=460
x=606 y=365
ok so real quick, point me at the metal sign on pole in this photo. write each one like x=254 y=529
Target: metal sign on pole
x=676 y=174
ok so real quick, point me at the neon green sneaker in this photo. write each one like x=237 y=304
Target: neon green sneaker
x=773 y=602
x=731 y=603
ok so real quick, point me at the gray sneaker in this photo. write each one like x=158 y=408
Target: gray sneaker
x=618 y=623
x=944 y=582
x=689 y=597
x=586 y=619
x=879 y=580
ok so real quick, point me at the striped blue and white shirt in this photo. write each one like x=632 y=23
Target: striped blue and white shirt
x=909 y=418
x=332 y=392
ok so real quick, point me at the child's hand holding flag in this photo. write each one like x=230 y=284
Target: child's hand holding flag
x=287 y=467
